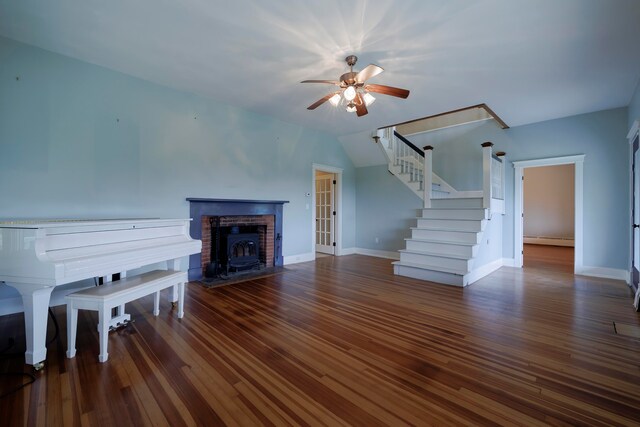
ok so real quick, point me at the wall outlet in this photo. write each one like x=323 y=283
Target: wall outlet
x=377 y=240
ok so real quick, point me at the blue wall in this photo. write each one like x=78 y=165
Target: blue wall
x=601 y=136
x=386 y=208
x=78 y=140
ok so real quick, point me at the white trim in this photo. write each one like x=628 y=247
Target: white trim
x=578 y=162
x=550 y=241
x=508 y=262
x=551 y=161
x=631 y=136
x=635 y=127
x=378 y=254
x=348 y=251
x=604 y=272
x=338 y=206
x=482 y=271
x=297 y=258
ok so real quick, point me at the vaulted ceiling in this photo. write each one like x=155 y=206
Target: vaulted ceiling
x=529 y=60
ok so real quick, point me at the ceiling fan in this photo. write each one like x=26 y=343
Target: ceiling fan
x=354 y=92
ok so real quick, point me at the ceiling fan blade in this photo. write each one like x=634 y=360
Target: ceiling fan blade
x=319 y=102
x=369 y=71
x=331 y=82
x=361 y=108
x=388 y=90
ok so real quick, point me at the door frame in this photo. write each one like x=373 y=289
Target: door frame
x=338 y=206
x=330 y=179
x=631 y=136
x=518 y=239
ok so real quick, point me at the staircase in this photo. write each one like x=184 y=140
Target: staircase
x=456 y=240
x=445 y=242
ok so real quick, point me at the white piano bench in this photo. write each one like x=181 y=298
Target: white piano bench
x=106 y=297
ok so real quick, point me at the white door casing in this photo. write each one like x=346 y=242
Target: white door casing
x=337 y=197
x=578 y=162
x=324 y=208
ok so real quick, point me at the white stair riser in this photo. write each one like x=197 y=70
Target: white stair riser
x=451 y=224
x=461 y=265
x=442 y=248
x=429 y=275
x=472 y=202
x=447 y=236
x=454 y=214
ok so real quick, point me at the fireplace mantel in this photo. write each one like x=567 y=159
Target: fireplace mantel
x=200 y=207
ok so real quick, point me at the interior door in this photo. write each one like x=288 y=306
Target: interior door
x=325 y=212
x=635 y=213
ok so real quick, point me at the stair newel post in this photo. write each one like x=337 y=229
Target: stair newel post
x=486 y=174
x=427 y=175
x=503 y=157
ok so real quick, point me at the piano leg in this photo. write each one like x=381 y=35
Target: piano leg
x=36 y=310
x=174 y=265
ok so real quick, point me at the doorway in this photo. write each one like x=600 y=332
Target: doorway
x=326 y=210
x=635 y=219
x=548 y=199
x=520 y=212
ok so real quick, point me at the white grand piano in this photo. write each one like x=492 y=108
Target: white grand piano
x=38 y=256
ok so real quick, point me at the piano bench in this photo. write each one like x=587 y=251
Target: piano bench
x=106 y=297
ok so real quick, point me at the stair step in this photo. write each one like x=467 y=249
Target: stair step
x=453 y=202
x=452 y=224
x=437 y=276
x=461 y=213
x=455 y=262
x=467 y=250
x=455 y=271
x=446 y=235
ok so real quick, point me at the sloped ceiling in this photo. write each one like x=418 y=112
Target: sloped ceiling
x=529 y=60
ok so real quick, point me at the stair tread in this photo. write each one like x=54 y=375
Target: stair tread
x=431 y=267
x=457 y=230
x=446 y=242
x=436 y=254
x=462 y=198
x=444 y=229
x=449 y=219
x=454 y=209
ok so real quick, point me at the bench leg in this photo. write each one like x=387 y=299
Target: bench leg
x=104 y=333
x=156 y=303
x=72 y=329
x=180 y=300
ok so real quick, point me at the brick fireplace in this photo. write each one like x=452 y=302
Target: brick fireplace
x=263 y=217
x=263 y=225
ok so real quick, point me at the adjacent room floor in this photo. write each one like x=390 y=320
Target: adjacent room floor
x=553 y=258
x=342 y=341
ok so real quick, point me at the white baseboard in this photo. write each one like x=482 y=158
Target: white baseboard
x=604 y=272
x=508 y=262
x=482 y=271
x=377 y=253
x=548 y=241
x=294 y=259
x=348 y=251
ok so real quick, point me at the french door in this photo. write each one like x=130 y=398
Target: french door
x=325 y=213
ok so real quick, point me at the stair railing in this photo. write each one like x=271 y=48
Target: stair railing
x=493 y=178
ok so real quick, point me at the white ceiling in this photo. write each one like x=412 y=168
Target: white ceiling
x=529 y=60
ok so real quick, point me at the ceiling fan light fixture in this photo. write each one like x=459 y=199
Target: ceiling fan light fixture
x=349 y=93
x=368 y=99
x=335 y=100
x=351 y=107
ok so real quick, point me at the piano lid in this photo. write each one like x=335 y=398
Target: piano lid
x=64 y=222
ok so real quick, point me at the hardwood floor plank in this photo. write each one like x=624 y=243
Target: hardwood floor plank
x=342 y=341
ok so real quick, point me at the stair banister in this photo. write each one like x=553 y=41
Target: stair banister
x=427 y=175
x=486 y=174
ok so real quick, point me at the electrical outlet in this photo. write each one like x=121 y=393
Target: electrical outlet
x=377 y=240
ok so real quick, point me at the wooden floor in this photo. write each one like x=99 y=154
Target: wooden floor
x=342 y=341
